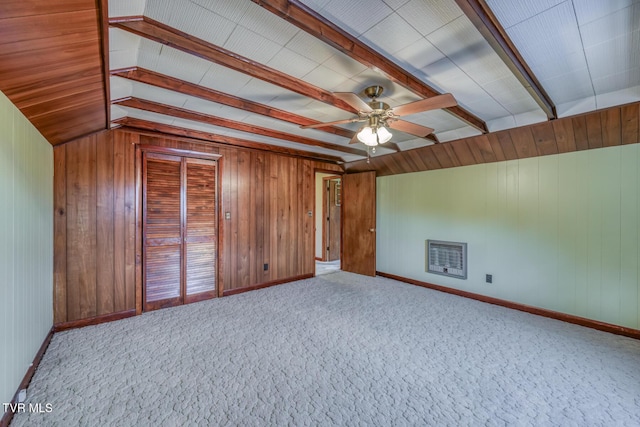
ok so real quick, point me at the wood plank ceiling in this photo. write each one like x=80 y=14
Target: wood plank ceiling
x=250 y=73
x=52 y=65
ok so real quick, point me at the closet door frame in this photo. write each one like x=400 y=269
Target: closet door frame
x=141 y=149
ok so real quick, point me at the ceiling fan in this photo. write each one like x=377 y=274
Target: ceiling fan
x=379 y=116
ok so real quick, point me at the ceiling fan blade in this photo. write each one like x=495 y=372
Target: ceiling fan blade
x=337 y=122
x=433 y=103
x=354 y=139
x=354 y=100
x=407 y=127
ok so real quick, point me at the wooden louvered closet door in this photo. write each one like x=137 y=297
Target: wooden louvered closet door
x=179 y=230
x=201 y=230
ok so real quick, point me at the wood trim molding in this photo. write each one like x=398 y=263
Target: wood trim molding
x=485 y=21
x=226 y=140
x=306 y=19
x=26 y=380
x=63 y=326
x=569 y=318
x=169 y=36
x=171 y=83
x=229 y=292
x=183 y=113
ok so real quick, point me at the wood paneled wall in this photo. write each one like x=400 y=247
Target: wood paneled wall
x=94 y=226
x=604 y=128
x=268 y=197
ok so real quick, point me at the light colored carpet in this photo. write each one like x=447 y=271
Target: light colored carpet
x=339 y=349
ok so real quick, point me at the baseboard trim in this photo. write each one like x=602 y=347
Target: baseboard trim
x=8 y=416
x=63 y=326
x=229 y=292
x=318 y=258
x=569 y=318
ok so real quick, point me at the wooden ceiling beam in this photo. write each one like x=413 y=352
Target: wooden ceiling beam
x=171 y=83
x=486 y=22
x=221 y=139
x=166 y=35
x=186 y=114
x=306 y=19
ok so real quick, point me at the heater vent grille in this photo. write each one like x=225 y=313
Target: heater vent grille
x=446 y=258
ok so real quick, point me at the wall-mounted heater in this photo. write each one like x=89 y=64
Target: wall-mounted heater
x=446 y=258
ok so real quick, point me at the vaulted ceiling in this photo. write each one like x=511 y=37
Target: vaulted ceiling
x=250 y=73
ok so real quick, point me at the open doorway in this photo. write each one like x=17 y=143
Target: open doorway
x=328 y=222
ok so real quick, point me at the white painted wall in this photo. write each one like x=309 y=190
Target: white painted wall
x=558 y=232
x=26 y=245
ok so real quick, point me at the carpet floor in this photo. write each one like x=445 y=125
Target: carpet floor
x=339 y=349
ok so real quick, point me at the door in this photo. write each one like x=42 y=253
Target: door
x=162 y=231
x=179 y=230
x=331 y=213
x=200 y=230
x=359 y=223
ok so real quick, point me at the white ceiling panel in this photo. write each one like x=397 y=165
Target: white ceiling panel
x=268 y=25
x=341 y=63
x=578 y=106
x=201 y=23
x=126 y=7
x=260 y=91
x=389 y=42
x=325 y=77
x=613 y=56
x=181 y=65
x=572 y=86
x=287 y=102
x=122 y=40
x=418 y=55
x=459 y=133
x=356 y=16
x=123 y=59
x=157 y=94
x=148 y=54
x=619 y=81
x=429 y=16
x=224 y=79
x=120 y=88
x=395 y=4
x=251 y=45
x=510 y=12
x=530 y=117
x=292 y=63
x=233 y=10
x=489 y=108
x=117 y=112
x=592 y=10
x=620 y=97
x=146 y=115
x=618 y=24
x=310 y=47
x=213 y=109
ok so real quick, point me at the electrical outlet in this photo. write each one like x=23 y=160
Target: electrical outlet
x=227 y=215
x=266 y=267
x=489 y=278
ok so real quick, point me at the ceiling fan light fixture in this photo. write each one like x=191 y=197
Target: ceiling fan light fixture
x=373 y=136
